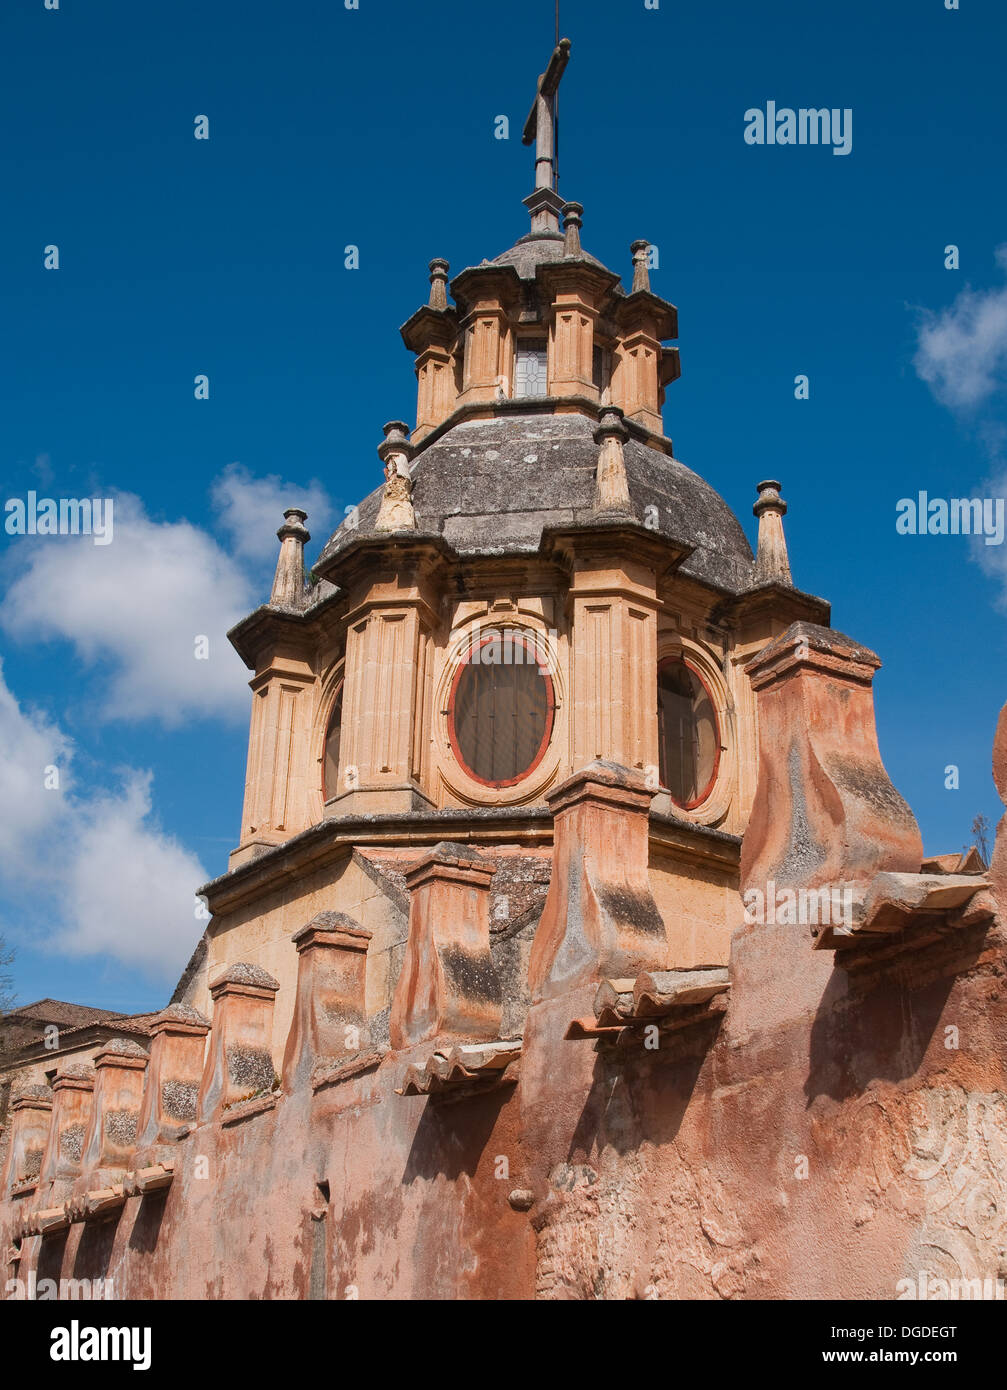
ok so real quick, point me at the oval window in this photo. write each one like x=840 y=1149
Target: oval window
x=330 y=774
x=688 y=734
x=501 y=710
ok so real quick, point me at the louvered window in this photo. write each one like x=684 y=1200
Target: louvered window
x=501 y=710
x=688 y=735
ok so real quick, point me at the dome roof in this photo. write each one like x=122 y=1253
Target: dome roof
x=541 y=248
x=491 y=486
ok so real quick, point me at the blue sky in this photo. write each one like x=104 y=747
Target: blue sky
x=375 y=127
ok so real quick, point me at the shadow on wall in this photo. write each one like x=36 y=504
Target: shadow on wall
x=94 y=1253
x=879 y=1029
x=450 y=1139
x=147 y=1227
x=640 y=1098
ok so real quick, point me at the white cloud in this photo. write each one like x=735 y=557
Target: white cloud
x=962 y=351
x=138 y=605
x=96 y=870
x=250 y=510
x=129 y=888
x=30 y=744
x=95 y=867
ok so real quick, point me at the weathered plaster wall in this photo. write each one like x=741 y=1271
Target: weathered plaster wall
x=261 y=933
x=665 y=1174
x=833 y=1132
x=699 y=904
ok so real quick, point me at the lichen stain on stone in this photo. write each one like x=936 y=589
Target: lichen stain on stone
x=870 y=784
x=120 y=1127
x=71 y=1143
x=250 y=1068
x=804 y=853
x=471 y=976
x=178 y=1099
x=635 y=908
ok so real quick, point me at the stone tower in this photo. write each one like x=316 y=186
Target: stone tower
x=538 y=584
x=481 y=1011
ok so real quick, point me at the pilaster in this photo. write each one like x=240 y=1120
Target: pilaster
x=635 y=384
x=239 y=1062
x=613 y=607
x=329 y=1013
x=73 y=1099
x=825 y=810
x=178 y=1042
x=118 y=1097
x=276 y=783
x=391 y=618
x=600 y=918
x=573 y=316
x=448 y=986
x=30 y=1115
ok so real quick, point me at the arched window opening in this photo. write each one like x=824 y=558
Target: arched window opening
x=689 y=738
x=330 y=778
x=500 y=712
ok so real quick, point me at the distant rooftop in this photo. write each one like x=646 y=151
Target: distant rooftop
x=60 y=1012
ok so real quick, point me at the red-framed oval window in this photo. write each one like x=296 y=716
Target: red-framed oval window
x=330 y=769
x=501 y=709
x=688 y=734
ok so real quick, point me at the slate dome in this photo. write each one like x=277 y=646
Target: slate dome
x=542 y=248
x=491 y=486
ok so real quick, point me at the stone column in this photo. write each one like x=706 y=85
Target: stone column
x=239 y=1063
x=178 y=1043
x=396 y=512
x=431 y=334
x=825 y=810
x=330 y=1017
x=73 y=1099
x=448 y=986
x=118 y=1096
x=611 y=486
x=640 y=250
x=288 y=581
x=573 y=220
x=30 y=1114
x=600 y=919
x=274 y=643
